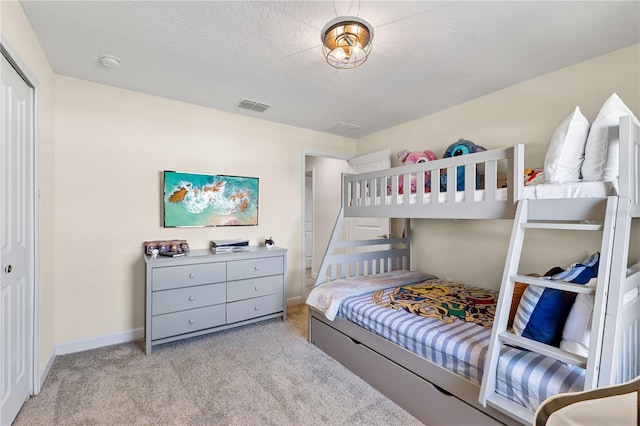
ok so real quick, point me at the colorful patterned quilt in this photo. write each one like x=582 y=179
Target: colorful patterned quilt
x=444 y=300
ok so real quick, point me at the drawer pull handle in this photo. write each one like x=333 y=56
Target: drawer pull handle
x=256 y=288
x=442 y=391
x=257 y=268
x=192 y=275
x=191 y=321
x=191 y=299
x=257 y=308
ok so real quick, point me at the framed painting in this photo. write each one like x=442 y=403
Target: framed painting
x=198 y=200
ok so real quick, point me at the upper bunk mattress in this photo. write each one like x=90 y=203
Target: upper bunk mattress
x=585 y=189
x=459 y=345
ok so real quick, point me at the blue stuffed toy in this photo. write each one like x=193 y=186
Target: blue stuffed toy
x=461 y=147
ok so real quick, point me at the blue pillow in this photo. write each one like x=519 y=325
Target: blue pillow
x=543 y=311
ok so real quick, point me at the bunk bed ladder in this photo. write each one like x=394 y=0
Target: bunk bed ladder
x=599 y=215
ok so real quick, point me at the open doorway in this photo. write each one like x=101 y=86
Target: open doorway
x=320 y=207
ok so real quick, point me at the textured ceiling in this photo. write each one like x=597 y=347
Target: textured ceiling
x=427 y=55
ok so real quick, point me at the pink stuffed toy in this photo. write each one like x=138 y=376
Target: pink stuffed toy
x=413 y=158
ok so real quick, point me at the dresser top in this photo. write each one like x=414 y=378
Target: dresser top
x=210 y=255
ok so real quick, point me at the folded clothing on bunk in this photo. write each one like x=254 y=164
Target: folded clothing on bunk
x=328 y=297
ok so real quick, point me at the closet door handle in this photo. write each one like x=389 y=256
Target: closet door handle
x=8 y=269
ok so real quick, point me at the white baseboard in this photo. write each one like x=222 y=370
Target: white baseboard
x=44 y=371
x=295 y=301
x=99 y=341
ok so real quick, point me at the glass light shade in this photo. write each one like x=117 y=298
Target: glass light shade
x=347 y=43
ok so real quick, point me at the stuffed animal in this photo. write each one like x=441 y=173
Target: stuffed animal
x=533 y=177
x=461 y=147
x=416 y=157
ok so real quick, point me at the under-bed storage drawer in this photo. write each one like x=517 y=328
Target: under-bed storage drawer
x=416 y=395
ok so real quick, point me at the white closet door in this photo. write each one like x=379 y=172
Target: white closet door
x=16 y=241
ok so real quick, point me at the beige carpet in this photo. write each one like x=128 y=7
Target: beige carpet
x=261 y=374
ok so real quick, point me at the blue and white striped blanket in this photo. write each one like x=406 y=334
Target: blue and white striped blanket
x=523 y=376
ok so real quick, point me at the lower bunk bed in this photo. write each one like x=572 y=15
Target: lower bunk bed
x=424 y=342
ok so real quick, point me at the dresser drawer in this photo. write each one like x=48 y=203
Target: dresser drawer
x=251 y=268
x=256 y=307
x=255 y=287
x=181 y=299
x=187 y=321
x=187 y=275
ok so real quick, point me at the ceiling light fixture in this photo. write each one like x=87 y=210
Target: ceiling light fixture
x=346 y=42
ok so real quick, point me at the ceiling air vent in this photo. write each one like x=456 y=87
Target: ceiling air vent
x=341 y=128
x=252 y=105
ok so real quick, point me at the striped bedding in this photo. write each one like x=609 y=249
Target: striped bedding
x=523 y=376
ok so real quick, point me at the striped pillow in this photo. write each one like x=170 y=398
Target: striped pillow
x=542 y=312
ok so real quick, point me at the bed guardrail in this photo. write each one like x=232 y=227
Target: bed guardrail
x=346 y=259
x=629 y=180
x=378 y=193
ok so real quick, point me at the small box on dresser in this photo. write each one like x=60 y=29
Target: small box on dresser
x=204 y=292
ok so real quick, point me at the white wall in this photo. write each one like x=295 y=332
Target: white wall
x=525 y=113
x=327 y=182
x=17 y=33
x=111 y=147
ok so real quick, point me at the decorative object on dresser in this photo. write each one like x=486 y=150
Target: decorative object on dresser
x=166 y=246
x=198 y=200
x=222 y=246
x=205 y=292
x=269 y=243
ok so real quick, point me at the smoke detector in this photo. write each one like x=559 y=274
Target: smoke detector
x=110 y=61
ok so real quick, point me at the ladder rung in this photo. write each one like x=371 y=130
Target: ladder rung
x=565 y=226
x=558 y=285
x=541 y=348
x=511 y=408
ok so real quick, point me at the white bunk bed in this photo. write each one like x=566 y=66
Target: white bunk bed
x=426 y=386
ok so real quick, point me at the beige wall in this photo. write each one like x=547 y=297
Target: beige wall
x=111 y=147
x=17 y=33
x=525 y=113
x=103 y=165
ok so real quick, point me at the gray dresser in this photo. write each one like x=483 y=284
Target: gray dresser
x=205 y=292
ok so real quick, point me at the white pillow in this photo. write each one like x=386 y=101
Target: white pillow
x=577 y=329
x=566 y=149
x=601 y=157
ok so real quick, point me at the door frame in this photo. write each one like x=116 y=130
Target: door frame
x=304 y=153
x=304 y=214
x=34 y=262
